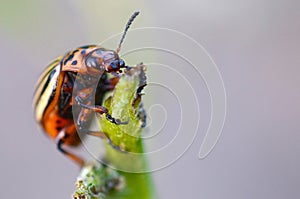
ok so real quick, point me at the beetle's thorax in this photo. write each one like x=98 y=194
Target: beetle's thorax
x=91 y=61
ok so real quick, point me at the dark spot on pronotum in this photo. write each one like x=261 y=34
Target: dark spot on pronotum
x=68 y=59
x=58 y=121
x=74 y=62
x=58 y=128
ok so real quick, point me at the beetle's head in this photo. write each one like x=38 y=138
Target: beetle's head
x=104 y=60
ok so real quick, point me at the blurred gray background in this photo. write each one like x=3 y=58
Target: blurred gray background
x=256 y=45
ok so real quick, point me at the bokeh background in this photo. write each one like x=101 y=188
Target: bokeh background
x=256 y=46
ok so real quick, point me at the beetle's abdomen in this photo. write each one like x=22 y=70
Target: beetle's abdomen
x=53 y=124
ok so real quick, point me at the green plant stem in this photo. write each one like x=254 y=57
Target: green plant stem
x=137 y=185
x=126 y=157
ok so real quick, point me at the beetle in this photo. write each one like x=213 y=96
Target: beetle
x=63 y=106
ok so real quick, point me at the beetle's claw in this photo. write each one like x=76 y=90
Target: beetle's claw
x=118 y=122
x=115 y=121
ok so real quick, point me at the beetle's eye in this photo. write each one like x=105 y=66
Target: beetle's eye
x=121 y=64
x=92 y=62
x=114 y=65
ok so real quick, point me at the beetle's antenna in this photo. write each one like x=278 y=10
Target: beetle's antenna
x=133 y=16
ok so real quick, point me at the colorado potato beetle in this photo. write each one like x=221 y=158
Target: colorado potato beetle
x=63 y=106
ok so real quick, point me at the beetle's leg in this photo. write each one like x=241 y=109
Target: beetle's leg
x=83 y=119
x=111 y=83
x=110 y=118
x=83 y=124
x=99 y=109
x=104 y=136
x=101 y=135
x=60 y=140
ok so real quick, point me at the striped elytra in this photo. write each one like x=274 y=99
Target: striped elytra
x=45 y=88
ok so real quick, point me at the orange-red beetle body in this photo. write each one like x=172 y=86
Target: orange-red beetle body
x=72 y=87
